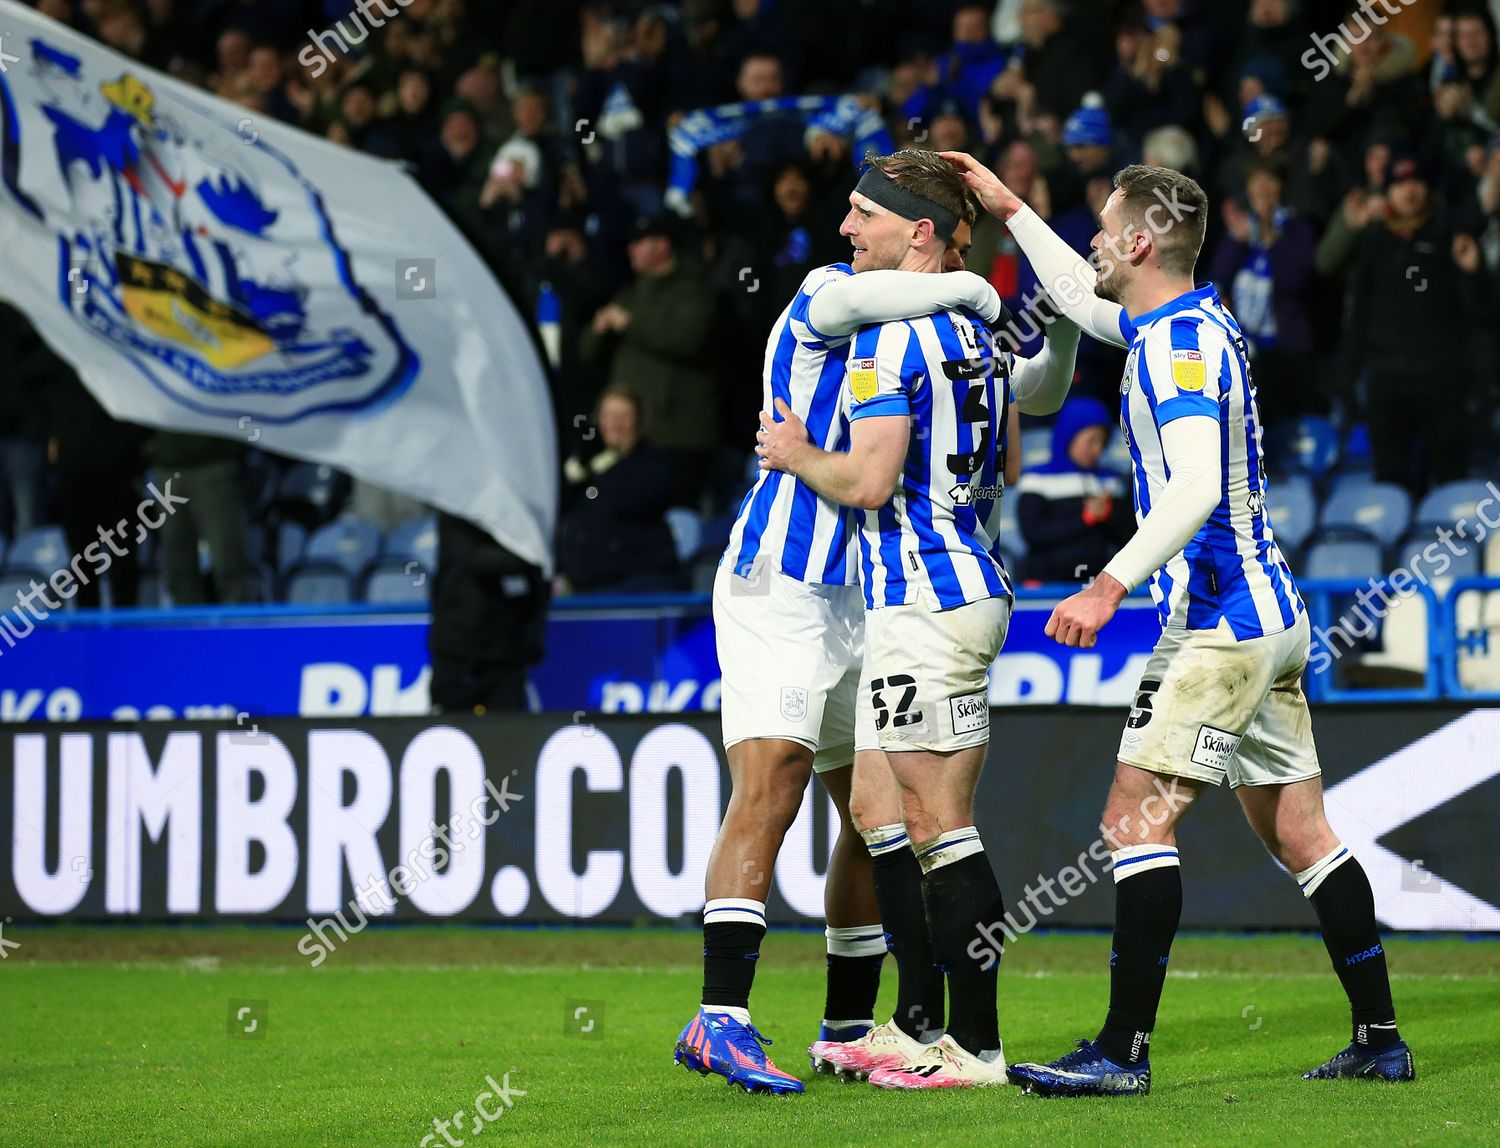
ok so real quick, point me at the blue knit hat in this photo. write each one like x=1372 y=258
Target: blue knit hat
x=1089 y=126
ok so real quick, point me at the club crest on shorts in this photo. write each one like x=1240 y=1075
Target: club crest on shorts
x=793 y=703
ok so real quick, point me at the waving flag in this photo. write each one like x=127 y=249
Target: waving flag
x=216 y=272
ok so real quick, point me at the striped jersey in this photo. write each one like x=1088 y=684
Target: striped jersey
x=935 y=541
x=1188 y=357
x=782 y=521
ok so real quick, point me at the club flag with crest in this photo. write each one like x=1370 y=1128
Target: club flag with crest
x=210 y=270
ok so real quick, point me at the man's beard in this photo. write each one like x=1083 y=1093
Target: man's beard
x=1109 y=288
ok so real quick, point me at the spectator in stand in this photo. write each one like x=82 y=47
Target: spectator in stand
x=1088 y=141
x=1418 y=297
x=653 y=338
x=207 y=473
x=1149 y=87
x=1478 y=62
x=99 y=463
x=1264 y=268
x=23 y=424
x=1074 y=513
x=613 y=535
x=1054 y=65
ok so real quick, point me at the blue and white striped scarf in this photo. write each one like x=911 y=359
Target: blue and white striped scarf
x=842 y=115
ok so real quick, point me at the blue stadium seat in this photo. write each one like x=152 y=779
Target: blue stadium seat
x=687 y=532
x=1011 y=540
x=1460 y=560
x=318 y=584
x=1356 y=457
x=1445 y=505
x=1036 y=447
x=44 y=548
x=415 y=539
x=1293 y=510
x=1309 y=445
x=350 y=542
x=291 y=541
x=1343 y=558
x=1381 y=509
x=393 y=581
x=17 y=580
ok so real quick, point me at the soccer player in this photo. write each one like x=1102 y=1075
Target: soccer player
x=790 y=632
x=927 y=402
x=1221 y=697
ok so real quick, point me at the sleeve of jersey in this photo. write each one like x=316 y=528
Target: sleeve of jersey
x=1069 y=279
x=799 y=315
x=1184 y=363
x=879 y=381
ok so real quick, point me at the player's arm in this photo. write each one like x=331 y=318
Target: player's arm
x=1067 y=275
x=1040 y=383
x=864 y=476
x=1183 y=367
x=842 y=306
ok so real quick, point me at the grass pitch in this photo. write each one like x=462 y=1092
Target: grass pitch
x=116 y=1036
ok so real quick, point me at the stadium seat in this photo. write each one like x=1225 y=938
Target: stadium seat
x=1447 y=562
x=1011 y=540
x=1343 y=557
x=1381 y=509
x=17 y=580
x=1355 y=457
x=1293 y=510
x=397 y=582
x=44 y=548
x=687 y=532
x=291 y=541
x=1492 y=555
x=318 y=584
x=349 y=542
x=1477 y=616
x=1445 y=505
x=1309 y=445
x=1036 y=447
x=416 y=539
x=1116 y=455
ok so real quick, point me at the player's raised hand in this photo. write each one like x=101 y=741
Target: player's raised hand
x=780 y=441
x=997 y=199
x=1077 y=620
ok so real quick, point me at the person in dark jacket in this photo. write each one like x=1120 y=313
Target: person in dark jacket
x=207 y=469
x=489 y=619
x=1264 y=266
x=1418 y=298
x=1074 y=513
x=613 y=534
x=23 y=430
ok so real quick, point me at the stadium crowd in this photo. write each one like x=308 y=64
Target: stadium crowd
x=1352 y=155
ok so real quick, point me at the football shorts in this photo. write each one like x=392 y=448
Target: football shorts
x=1216 y=708
x=789 y=660
x=926 y=680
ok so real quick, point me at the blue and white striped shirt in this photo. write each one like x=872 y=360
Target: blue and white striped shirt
x=782 y=521
x=1188 y=357
x=935 y=541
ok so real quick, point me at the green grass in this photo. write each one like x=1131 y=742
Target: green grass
x=120 y=1037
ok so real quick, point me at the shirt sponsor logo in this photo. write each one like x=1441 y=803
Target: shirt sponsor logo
x=971 y=713
x=1214 y=748
x=1188 y=370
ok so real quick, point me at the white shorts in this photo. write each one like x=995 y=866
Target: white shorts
x=790 y=654
x=1212 y=707
x=927 y=674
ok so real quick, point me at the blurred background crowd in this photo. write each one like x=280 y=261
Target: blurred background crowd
x=1352 y=157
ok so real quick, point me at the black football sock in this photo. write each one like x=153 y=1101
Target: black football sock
x=732 y=932
x=1148 y=905
x=1340 y=892
x=898 y=890
x=855 y=954
x=962 y=896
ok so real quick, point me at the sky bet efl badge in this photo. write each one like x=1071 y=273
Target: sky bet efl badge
x=1188 y=371
x=863 y=381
